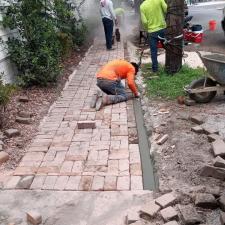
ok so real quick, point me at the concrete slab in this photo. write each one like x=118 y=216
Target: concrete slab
x=69 y=208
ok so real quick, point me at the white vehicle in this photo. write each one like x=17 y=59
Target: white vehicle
x=223 y=20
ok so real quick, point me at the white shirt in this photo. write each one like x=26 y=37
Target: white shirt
x=106 y=9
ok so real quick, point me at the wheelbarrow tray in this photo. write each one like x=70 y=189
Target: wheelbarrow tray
x=215 y=65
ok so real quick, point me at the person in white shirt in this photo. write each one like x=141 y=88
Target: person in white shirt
x=108 y=18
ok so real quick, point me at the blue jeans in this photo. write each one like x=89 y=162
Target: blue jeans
x=153 y=41
x=114 y=89
x=108 y=28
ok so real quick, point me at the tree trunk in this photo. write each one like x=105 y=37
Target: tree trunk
x=174 y=50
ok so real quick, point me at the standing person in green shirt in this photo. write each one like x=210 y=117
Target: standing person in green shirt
x=153 y=20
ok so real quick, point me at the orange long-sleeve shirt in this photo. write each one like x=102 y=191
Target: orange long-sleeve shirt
x=119 y=69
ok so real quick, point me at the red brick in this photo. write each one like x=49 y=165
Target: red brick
x=13 y=182
x=73 y=183
x=165 y=200
x=25 y=171
x=135 y=169
x=48 y=169
x=78 y=167
x=218 y=147
x=66 y=167
x=163 y=139
x=34 y=217
x=110 y=183
x=120 y=154
x=150 y=209
x=136 y=183
x=169 y=213
x=123 y=183
x=98 y=183
x=86 y=124
x=85 y=183
x=61 y=183
x=38 y=182
x=33 y=156
x=49 y=182
x=3 y=157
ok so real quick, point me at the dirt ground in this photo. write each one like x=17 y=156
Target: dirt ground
x=40 y=99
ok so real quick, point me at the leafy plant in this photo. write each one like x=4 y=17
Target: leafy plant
x=47 y=30
x=5 y=91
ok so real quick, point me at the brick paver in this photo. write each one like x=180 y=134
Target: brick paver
x=80 y=149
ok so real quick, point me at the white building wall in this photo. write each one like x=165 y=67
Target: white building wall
x=7 y=69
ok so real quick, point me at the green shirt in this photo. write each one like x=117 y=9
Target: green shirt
x=153 y=15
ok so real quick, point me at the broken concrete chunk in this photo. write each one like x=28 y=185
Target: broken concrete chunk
x=163 y=139
x=165 y=200
x=215 y=172
x=25 y=182
x=23 y=120
x=206 y=201
x=222 y=202
x=172 y=223
x=197 y=129
x=190 y=215
x=213 y=137
x=222 y=218
x=215 y=191
x=169 y=213
x=23 y=99
x=4 y=156
x=219 y=162
x=34 y=217
x=12 y=133
x=218 y=147
x=209 y=129
x=149 y=210
x=25 y=114
x=86 y=125
x=1 y=148
x=132 y=217
x=197 y=119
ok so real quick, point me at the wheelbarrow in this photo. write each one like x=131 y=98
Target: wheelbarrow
x=205 y=89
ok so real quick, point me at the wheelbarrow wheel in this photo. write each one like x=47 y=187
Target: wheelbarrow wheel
x=203 y=97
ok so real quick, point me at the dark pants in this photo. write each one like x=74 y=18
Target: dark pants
x=108 y=28
x=114 y=89
x=153 y=41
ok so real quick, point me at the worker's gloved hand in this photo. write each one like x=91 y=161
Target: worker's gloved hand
x=137 y=95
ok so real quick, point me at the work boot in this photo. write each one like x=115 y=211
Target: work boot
x=102 y=101
x=95 y=97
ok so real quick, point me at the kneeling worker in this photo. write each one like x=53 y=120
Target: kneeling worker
x=109 y=81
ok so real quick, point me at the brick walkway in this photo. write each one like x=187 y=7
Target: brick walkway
x=63 y=157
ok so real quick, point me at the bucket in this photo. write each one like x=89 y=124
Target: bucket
x=187 y=35
x=212 y=25
x=197 y=36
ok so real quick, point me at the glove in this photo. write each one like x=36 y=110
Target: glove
x=137 y=95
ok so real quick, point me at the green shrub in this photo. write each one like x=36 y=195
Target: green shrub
x=5 y=91
x=47 y=31
x=36 y=52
